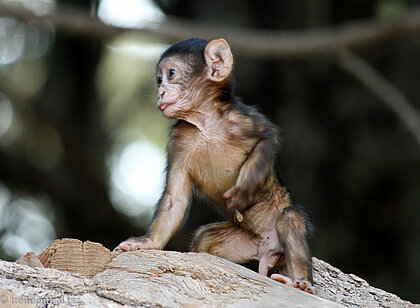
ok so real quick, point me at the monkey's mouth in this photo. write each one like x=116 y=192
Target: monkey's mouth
x=163 y=106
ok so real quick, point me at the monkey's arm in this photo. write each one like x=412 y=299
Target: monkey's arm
x=169 y=213
x=171 y=209
x=254 y=171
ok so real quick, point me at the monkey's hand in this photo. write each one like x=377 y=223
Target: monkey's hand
x=135 y=243
x=238 y=198
x=298 y=284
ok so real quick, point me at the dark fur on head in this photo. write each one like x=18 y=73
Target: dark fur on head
x=193 y=47
x=192 y=51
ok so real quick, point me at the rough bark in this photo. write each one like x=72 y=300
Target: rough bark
x=152 y=278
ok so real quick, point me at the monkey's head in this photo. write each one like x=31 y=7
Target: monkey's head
x=191 y=72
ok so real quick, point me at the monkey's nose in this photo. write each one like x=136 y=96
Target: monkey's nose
x=162 y=94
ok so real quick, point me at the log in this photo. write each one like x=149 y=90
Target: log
x=85 y=258
x=153 y=278
x=175 y=279
x=30 y=259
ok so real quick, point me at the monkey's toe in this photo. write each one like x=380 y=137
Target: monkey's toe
x=304 y=286
x=298 y=284
x=310 y=290
x=283 y=279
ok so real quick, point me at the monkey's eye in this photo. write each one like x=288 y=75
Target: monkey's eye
x=158 y=80
x=172 y=72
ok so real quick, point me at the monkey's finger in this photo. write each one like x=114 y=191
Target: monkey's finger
x=231 y=192
x=135 y=246
x=228 y=203
x=126 y=246
x=233 y=203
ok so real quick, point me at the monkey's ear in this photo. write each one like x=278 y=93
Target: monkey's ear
x=219 y=60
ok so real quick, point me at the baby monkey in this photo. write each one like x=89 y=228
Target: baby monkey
x=226 y=150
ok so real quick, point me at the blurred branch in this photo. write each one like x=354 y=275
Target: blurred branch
x=383 y=89
x=326 y=41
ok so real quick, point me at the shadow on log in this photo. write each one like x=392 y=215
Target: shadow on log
x=86 y=274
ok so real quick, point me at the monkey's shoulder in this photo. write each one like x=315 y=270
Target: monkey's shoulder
x=251 y=121
x=239 y=127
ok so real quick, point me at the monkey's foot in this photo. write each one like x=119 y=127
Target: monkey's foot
x=304 y=286
x=135 y=243
x=283 y=279
x=299 y=284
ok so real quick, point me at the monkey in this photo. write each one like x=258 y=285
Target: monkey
x=226 y=150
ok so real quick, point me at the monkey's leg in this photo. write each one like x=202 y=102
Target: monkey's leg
x=292 y=232
x=227 y=241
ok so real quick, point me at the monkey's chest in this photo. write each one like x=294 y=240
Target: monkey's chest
x=214 y=169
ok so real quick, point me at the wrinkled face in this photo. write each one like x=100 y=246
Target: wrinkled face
x=177 y=86
x=186 y=81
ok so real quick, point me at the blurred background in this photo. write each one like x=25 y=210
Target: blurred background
x=82 y=145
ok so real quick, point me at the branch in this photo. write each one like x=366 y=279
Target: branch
x=261 y=43
x=383 y=89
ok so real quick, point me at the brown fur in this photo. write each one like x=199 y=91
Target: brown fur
x=226 y=150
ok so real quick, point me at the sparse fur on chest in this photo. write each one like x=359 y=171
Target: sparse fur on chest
x=212 y=160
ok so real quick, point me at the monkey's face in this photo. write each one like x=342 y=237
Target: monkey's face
x=177 y=86
x=187 y=82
